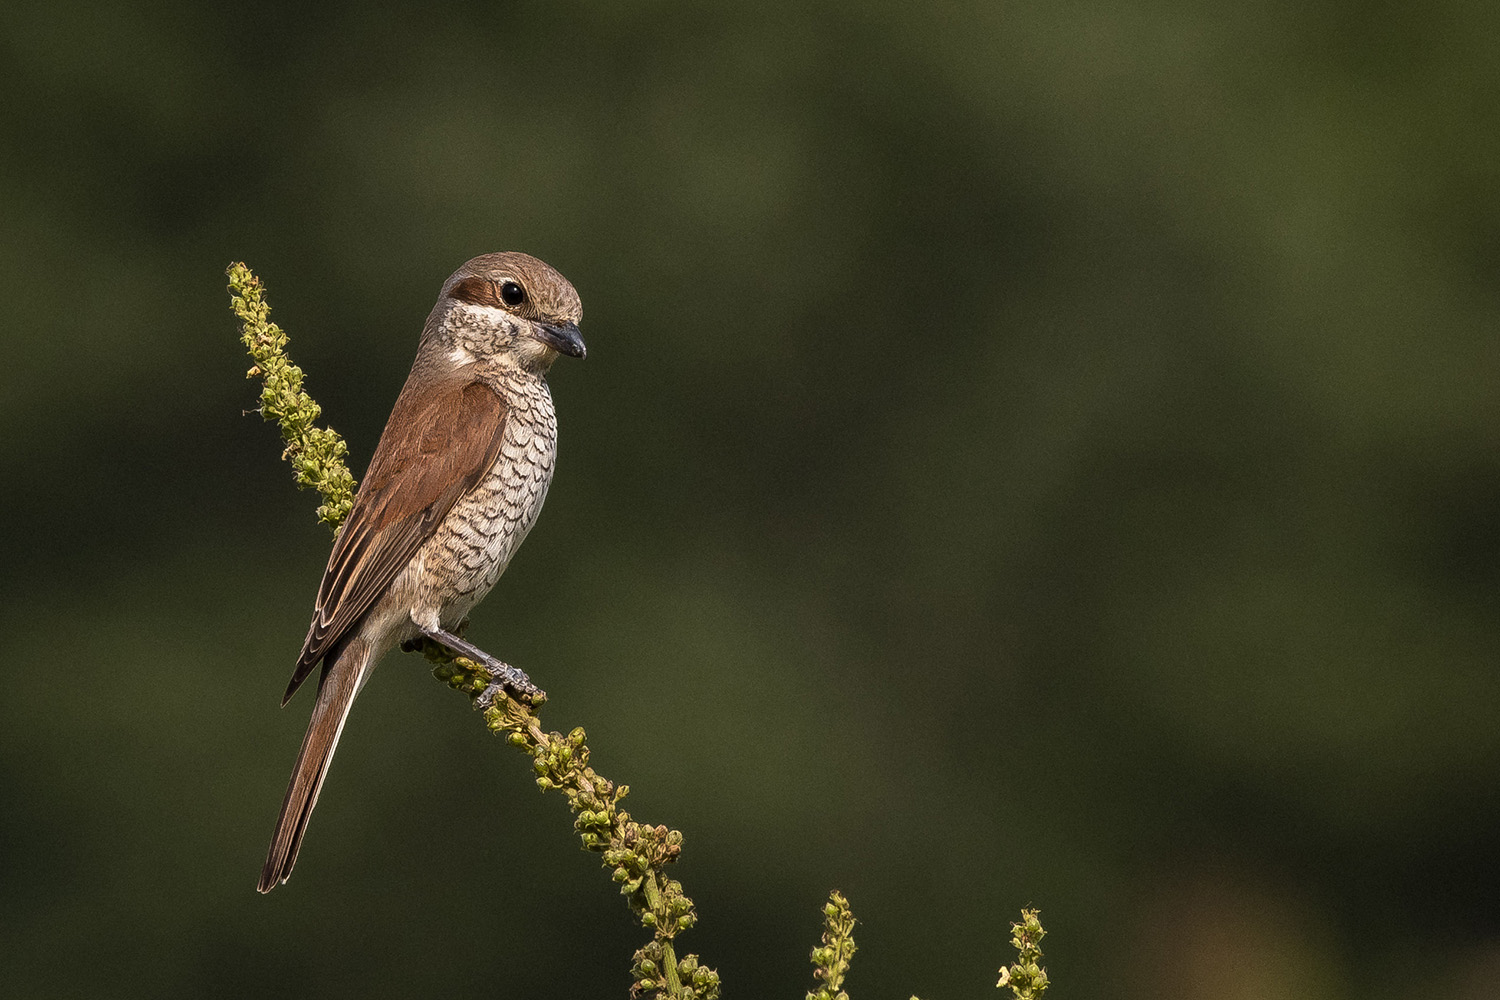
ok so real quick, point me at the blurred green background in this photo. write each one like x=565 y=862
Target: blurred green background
x=1026 y=454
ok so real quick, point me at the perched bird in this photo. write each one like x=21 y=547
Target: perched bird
x=455 y=484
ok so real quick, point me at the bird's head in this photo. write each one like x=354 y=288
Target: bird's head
x=508 y=308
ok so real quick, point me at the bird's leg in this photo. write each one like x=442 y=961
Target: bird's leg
x=503 y=676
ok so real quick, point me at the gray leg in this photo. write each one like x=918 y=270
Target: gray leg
x=503 y=676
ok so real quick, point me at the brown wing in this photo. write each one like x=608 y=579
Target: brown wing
x=440 y=440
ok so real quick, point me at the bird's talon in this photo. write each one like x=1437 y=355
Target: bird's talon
x=512 y=681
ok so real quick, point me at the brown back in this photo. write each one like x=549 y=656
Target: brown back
x=443 y=435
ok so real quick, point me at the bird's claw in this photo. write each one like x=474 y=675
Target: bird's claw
x=502 y=676
x=508 y=679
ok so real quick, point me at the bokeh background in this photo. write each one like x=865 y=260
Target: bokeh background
x=1027 y=454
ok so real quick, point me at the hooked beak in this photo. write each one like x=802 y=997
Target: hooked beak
x=564 y=339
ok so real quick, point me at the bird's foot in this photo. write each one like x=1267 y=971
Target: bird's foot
x=503 y=676
x=509 y=680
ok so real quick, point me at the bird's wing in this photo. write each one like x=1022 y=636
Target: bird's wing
x=439 y=442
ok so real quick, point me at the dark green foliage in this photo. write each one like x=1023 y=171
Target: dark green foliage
x=1069 y=427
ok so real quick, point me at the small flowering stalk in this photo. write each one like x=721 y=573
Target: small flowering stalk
x=1026 y=977
x=316 y=453
x=832 y=957
x=638 y=854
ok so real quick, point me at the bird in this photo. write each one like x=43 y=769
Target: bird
x=453 y=488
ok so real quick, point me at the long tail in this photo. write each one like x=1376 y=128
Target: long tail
x=336 y=691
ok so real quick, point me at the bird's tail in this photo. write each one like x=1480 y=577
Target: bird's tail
x=336 y=691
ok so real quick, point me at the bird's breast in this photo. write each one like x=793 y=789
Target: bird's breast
x=476 y=541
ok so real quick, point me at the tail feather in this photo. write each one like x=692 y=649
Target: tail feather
x=336 y=691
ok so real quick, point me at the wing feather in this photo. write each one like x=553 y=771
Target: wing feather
x=439 y=442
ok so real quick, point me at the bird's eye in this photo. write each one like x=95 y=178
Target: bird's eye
x=512 y=294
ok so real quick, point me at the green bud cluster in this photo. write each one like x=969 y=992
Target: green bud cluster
x=316 y=453
x=831 y=958
x=635 y=853
x=1026 y=977
x=652 y=980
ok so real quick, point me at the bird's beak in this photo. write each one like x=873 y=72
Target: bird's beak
x=564 y=339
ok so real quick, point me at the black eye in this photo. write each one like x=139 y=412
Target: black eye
x=512 y=294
